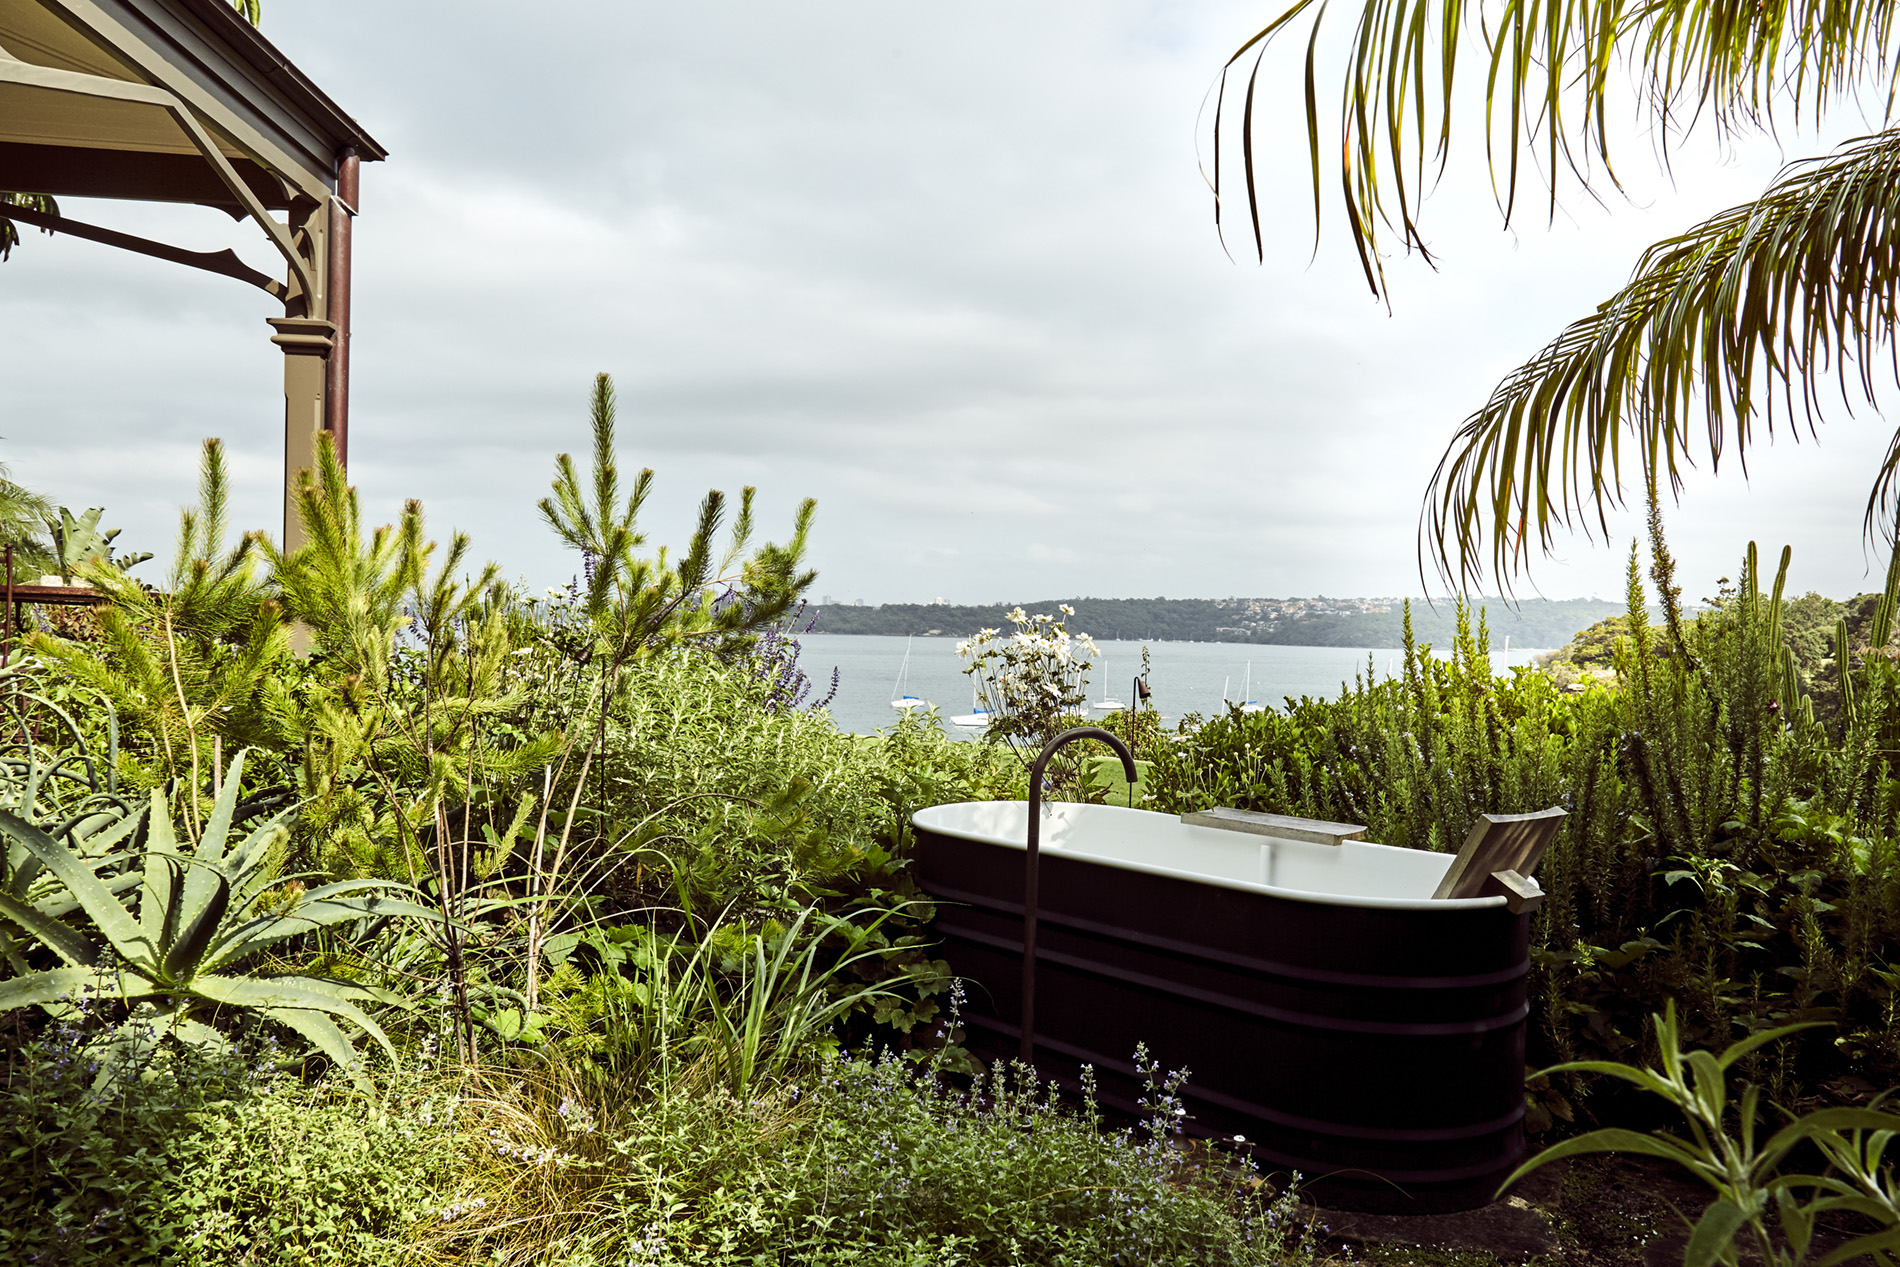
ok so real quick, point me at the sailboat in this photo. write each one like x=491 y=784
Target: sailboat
x=978 y=718
x=1108 y=703
x=1248 y=704
x=901 y=701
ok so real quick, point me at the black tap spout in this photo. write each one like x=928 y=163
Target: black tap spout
x=1030 y=865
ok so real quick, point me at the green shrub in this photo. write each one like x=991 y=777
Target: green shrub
x=866 y=1164
x=189 y=1158
x=739 y=801
x=318 y=1176
x=1750 y=1173
x=1004 y=1173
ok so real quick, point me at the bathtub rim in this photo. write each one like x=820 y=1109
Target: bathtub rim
x=1447 y=905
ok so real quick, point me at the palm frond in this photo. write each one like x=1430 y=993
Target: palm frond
x=1746 y=317
x=10 y=232
x=1551 y=82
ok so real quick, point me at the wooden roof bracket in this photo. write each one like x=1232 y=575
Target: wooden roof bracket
x=225 y=263
x=31 y=75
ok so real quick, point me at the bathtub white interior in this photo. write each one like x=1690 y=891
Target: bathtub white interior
x=1354 y=873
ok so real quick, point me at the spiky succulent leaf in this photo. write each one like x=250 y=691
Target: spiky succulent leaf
x=22 y=869
x=188 y=948
x=289 y=992
x=101 y=831
x=198 y=882
x=179 y=1024
x=105 y=910
x=55 y=984
x=216 y=838
x=62 y=939
x=57 y=903
x=323 y=1034
x=254 y=865
x=255 y=934
x=158 y=904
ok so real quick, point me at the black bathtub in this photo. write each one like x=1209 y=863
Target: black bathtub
x=1329 y=1011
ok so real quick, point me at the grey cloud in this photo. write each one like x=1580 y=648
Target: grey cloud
x=952 y=271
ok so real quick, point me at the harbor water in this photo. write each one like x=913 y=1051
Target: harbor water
x=1186 y=677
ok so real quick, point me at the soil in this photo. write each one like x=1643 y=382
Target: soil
x=1605 y=1211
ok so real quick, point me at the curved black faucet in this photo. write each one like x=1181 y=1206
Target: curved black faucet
x=1030 y=868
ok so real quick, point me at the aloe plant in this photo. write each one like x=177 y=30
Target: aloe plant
x=196 y=928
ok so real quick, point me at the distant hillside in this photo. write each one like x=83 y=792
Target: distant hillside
x=1299 y=622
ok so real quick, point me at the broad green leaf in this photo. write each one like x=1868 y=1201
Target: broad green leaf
x=1714 y=1232
x=1886 y=1241
x=1643 y=1078
x=1812 y=1124
x=1611 y=1140
x=1754 y=1041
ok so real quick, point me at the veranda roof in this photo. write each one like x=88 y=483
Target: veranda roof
x=184 y=101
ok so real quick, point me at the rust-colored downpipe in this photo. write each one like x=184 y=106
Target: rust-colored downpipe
x=336 y=394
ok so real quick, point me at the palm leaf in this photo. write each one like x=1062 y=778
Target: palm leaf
x=1550 y=80
x=1746 y=316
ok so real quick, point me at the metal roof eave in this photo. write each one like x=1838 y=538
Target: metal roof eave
x=251 y=98
x=263 y=57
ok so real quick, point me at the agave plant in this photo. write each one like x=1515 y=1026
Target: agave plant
x=191 y=942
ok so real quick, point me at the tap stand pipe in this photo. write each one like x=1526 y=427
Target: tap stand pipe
x=1031 y=857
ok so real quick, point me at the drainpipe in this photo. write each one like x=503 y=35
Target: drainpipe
x=337 y=383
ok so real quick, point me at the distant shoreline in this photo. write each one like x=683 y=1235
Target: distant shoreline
x=1370 y=624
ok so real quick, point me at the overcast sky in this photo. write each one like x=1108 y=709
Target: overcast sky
x=951 y=270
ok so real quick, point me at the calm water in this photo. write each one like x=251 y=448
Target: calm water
x=1187 y=677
